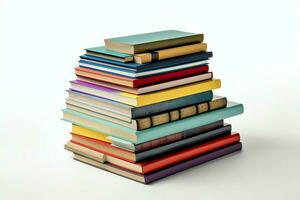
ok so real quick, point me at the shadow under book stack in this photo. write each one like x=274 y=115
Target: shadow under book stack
x=142 y=106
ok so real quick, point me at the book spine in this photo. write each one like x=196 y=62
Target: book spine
x=178 y=136
x=181 y=113
x=139 y=112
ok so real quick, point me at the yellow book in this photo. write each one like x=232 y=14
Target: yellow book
x=149 y=98
x=169 y=53
x=89 y=133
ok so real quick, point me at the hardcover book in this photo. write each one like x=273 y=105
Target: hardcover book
x=146 y=135
x=154 y=120
x=127 y=112
x=139 y=82
x=140 y=43
x=151 y=177
x=159 y=162
x=135 y=67
x=107 y=148
x=78 y=130
x=145 y=99
x=163 y=54
x=151 y=88
x=108 y=54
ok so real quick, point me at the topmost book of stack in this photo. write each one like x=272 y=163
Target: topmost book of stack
x=141 y=43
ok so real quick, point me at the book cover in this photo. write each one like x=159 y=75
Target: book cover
x=151 y=177
x=145 y=99
x=139 y=43
x=146 y=135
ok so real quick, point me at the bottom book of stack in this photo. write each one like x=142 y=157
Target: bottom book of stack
x=161 y=160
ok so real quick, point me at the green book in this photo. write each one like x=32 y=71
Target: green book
x=141 y=43
x=137 y=137
x=105 y=53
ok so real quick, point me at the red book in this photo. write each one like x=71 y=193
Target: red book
x=136 y=83
x=154 y=164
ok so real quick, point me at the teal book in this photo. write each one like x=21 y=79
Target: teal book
x=146 y=42
x=102 y=52
x=137 y=137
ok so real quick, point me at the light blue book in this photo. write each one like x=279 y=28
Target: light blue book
x=119 y=133
x=102 y=52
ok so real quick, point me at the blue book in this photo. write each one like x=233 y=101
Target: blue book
x=98 y=61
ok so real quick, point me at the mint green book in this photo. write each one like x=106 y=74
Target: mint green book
x=108 y=54
x=137 y=137
x=146 y=42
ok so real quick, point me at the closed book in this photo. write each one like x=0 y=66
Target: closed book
x=89 y=133
x=108 y=54
x=139 y=82
x=127 y=112
x=139 y=43
x=78 y=130
x=145 y=99
x=121 y=71
x=101 y=63
x=137 y=137
x=155 y=120
x=170 y=138
x=163 y=54
x=107 y=148
x=165 y=160
x=97 y=161
x=151 y=88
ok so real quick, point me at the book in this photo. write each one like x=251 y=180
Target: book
x=138 y=137
x=173 y=115
x=133 y=74
x=163 y=54
x=140 y=43
x=151 y=88
x=139 y=82
x=108 y=54
x=151 y=177
x=142 y=58
x=107 y=148
x=155 y=120
x=145 y=99
x=90 y=133
x=135 y=67
x=153 y=143
x=127 y=112
x=164 y=160
x=167 y=139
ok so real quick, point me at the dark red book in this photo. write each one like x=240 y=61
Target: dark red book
x=136 y=83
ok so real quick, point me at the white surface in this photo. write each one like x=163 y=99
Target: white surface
x=256 y=54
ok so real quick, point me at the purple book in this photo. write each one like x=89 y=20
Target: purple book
x=148 y=178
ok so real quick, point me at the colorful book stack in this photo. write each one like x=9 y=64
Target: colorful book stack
x=142 y=106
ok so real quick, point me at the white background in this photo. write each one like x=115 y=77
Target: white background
x=256 y=55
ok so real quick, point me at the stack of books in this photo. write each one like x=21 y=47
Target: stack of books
x=142 y=106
